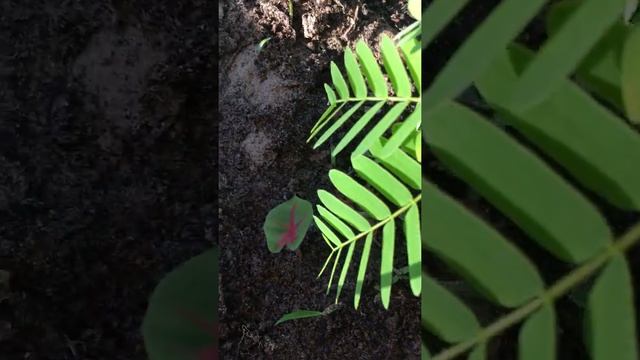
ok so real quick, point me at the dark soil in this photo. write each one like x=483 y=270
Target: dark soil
x=107 y=167
x=268 y=103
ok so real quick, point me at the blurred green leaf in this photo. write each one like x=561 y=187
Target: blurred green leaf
x=553 y=63
x=590 y=141
x=631 y=76
x=518 y=183
x=181 y=321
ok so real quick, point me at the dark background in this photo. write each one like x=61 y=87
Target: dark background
x=107 y=166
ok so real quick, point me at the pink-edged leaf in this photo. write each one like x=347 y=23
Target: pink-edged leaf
x=287 y=224
x=181 y=320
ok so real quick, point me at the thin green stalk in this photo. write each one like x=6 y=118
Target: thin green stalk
x=378 y=225
x=559 y=289
x=388 y=98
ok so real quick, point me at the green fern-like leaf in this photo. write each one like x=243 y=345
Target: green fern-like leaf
x=365 y=213
x=363 y=97
x=382 y=198
x=533 y=94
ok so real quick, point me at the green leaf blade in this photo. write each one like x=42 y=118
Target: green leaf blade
x=331 y=95
x=326 y=230
x=518 y=183
x=381 y=180
x=437 y=16
x=386 y=265
x=372 y=70
x=395 y=68
x=355 y=75
x=554 y=63
x=324 y=119
x=362 y=269
x=343 y=210
x=298 y=314
x=445 y=315
x=537 y=340
x=631 y=76
x=599 y=71
x=381 y=127
x=339 y=82
x=413 y=56
x=357 y=127
x=465 y=242
x=345 y=269
x=592 y=143
x=359 y=194
x=479 y=50
x=337 y=124
x=404 y=131
x=611 y=314
x=399 y=163
x=414 y=247
x=335 y=222
x=333 y=269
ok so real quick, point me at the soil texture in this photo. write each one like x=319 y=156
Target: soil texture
x=107 y=167
x=269 y=101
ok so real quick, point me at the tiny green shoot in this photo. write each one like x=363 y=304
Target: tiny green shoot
x=301 y=314
x=263 y=43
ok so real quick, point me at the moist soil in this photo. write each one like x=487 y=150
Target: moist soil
x=107 y=167
x=269 y=101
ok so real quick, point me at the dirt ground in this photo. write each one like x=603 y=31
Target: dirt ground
x=107 y=167
x=268 y=103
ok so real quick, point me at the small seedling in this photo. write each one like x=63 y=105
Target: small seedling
x=263 y=43
x=287 y=224
x=301 y=314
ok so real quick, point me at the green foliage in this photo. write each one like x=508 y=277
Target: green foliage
x=181 y=321
x=631 y=75
x=384 y=192
x=532 y=94
x=280 y=223
x=263 y=43
x=299 y=314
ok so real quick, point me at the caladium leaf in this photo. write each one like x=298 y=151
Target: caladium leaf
x=287 y=224
x=181 y=320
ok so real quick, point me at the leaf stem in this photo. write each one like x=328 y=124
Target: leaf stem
x=374 y=98
x=559 y=289
x=380 y=224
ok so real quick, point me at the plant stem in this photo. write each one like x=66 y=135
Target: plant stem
x=559 y=289
x=380 y=224
x=387 y=98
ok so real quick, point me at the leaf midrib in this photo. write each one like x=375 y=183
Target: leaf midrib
x=395 y=214
x=377 y=99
